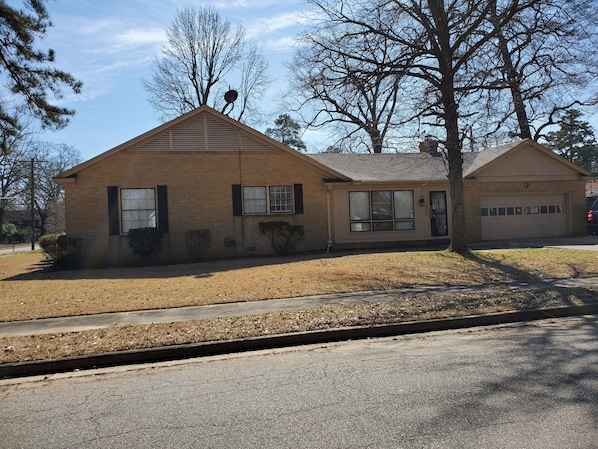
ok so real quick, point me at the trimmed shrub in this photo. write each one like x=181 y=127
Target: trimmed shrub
x=230 y=244
x=283 y=236
x=145 y=242
x=17 y=236
x=61 y=251
x=198 y=241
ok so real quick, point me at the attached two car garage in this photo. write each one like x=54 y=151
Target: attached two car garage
x=523 y=216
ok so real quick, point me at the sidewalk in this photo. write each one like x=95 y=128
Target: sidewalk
x=6 y=248
x=194 y=350
x=104 y=320
x=176 y=352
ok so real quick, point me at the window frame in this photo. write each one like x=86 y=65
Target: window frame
x=273 y=202
x=121 y=208
x=391 y=220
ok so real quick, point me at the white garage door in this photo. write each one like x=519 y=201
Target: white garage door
x=511 y=217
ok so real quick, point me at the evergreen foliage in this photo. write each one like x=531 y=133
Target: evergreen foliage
x=287 y=131
x=60 y=250
x=28 y=76
x=575 y=141
x=283 y=236
x=145 y=242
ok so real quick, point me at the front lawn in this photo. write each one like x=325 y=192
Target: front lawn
x=29 y=291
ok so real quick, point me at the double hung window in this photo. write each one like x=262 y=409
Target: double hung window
x=268 y=199
x=138 y=209
x=132 y=208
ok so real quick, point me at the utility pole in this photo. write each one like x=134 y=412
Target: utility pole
x=32 y=192
x=32 y=181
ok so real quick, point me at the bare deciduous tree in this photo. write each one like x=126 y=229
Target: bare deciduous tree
x=444 y=42
x=340 y=77
x=545 y=56
x=204 y=56
x=12 y=172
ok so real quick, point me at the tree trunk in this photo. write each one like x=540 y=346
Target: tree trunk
x=1 y=222
x=376 y=138
x=515 y=87
x=455 y=166
x=455 y=161
x=458 y=223
x=446 y=57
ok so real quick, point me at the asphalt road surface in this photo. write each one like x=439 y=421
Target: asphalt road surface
x=520 y=386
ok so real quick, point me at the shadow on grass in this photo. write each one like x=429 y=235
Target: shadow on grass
x=484 y=271
x=509 y=271
x=205 y=269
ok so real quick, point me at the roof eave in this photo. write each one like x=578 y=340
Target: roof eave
x=173 y=123
x=582 y=172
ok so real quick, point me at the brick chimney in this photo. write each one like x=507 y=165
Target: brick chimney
x=430 y=146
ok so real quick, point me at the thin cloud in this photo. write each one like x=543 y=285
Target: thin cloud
x=281 y=45
x=276 y=23
x=140 y=38
x=251 y=4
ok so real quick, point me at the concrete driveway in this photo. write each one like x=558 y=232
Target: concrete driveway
x=585 y=243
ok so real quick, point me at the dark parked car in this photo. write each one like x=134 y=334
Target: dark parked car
x=593 y=219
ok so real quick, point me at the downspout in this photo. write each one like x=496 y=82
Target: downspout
x=329 y=240
x=240 y=156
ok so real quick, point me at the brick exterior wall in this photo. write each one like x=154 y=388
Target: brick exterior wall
x=201 y=156
x=199 y=197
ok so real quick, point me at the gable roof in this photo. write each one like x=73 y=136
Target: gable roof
x=160 y=131
x=491 y=156
x=386 y=167
x=473 y=162
x=421 y=167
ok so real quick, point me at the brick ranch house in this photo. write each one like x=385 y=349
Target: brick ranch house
x=205 y=170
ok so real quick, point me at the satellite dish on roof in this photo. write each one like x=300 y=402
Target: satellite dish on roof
x=230 y=97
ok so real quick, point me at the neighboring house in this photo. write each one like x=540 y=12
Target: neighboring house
x=591 y=191
x=21 y=219
x=205 y=170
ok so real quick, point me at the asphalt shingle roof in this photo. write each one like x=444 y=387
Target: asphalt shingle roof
x=415 y=167
x=386 y=167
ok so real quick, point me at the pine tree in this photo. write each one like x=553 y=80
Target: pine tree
x=575 y=141
x=287 y=131
x=28 y=76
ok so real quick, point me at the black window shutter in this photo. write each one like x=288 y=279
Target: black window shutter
x=237 y=201
x=162 y=208
x=113 y=215
x=298 y=190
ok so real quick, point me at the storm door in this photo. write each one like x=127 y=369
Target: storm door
x=438 y=213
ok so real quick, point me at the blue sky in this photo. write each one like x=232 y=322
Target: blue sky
x=111 y=44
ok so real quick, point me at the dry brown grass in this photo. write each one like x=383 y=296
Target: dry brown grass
x=51 y=346
x=27 y=291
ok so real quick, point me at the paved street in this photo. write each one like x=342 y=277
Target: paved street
x=521 y=386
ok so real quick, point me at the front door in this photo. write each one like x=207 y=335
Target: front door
x=438 y=213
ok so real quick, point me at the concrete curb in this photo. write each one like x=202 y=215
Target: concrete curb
x=177 y=352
